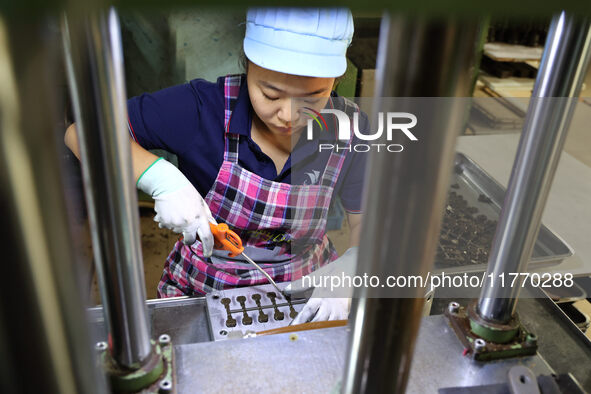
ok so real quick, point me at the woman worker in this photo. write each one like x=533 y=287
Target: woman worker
x=245 y=159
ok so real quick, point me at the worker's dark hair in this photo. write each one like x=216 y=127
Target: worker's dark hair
x=243 y=61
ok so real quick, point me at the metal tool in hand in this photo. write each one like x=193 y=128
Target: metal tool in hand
x=227 y=239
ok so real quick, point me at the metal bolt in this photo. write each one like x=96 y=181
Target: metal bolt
x=100 y=346
x=531 y=339
x=453 y=307
x=165 y=386
x=164 y=339
x=479 y=345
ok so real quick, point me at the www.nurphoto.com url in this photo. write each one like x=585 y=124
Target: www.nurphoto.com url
x=511 y=279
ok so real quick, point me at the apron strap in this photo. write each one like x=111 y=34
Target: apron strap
x=231 y=89
x=336 y=159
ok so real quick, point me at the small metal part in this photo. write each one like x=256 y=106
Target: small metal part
x=484 y=198
x=453 y=307
x=292 y=312
x=531 y=339
x=246 y=320
x=165 y=386
x=230 y=322
x=464 y=239
x=479 y=345
x=100 y=346
x=164 y=339
x=278 y=315
x=263 y=317
x=169 y=370
x=223 y=332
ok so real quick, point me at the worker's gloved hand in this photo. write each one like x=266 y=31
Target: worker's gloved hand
x=331 y=298
x=178 y=205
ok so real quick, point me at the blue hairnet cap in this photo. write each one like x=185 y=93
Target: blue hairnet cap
x=299 y=41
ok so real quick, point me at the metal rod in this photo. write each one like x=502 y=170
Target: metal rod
x=95 y=69
x=258 y=267
x=406 y=193
x=44 y=334
x=558 y=84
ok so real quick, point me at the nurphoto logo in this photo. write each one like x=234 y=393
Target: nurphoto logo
x=394 y=122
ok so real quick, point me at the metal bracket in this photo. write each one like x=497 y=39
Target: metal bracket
x=511 y=340
x=156 y=375
x=522 y=380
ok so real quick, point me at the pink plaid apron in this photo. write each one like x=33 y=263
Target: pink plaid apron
x=282 y=226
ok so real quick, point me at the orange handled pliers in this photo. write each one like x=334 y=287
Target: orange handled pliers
x=226 y=239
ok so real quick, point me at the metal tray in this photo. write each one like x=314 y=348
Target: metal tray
x=218 y=314
x=471 y=182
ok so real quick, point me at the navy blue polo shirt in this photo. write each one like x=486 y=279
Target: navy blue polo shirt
x=188 y=120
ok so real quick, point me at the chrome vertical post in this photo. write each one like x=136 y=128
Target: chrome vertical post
x=44 y=334
x=95 y=70
x=405 y=194
x=558 y=84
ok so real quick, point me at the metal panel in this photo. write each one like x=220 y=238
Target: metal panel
x=312 y=361
x=305 y=362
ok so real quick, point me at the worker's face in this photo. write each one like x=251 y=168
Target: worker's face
x=271 y=95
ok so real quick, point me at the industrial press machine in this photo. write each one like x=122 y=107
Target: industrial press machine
x=218 y=343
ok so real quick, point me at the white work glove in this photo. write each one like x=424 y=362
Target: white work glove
x=327 y=303
x=178 y=205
